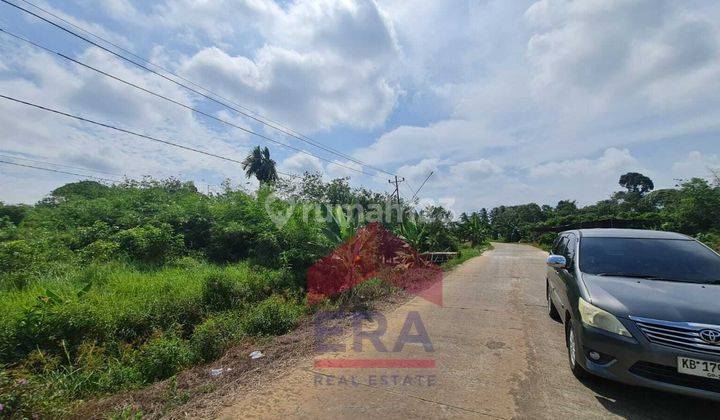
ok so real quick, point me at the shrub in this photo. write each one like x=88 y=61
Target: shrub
x=546 y=240
x=8 y=230
x=711 y=239
x=214 y=336
x=360 y=297
x=273 y=316
x=150 y=244
x=219 y=291
x=99 y=251
x=15 y=256
x=243 y=284
x=163 y=356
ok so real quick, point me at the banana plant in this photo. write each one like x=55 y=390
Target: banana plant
x=340 y=226
x=413 y=233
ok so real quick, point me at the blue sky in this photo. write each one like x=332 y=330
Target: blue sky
x=508 y=102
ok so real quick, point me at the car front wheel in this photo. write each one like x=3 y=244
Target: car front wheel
x=574 y=351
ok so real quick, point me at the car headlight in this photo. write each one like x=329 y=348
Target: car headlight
x=595 y=317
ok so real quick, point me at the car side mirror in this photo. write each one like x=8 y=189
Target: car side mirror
x=556 y=261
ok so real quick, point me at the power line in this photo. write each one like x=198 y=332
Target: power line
x=58 y=171
x=260 y=120
x=409 y=188
x=122 y=130
x=158 y=95
x=57 y=164
x=422 y=185
x=265 y=120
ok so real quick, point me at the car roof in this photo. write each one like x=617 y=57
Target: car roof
x=630 y=233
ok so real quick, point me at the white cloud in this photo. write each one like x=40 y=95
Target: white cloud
x=475 y=169
x=300 y=163
x=541 y=100
x=696 y=164
x=337 y=169
x=415 y=174
x=309 y=91
x=610 y=163
x=318 y=65
x=438 y=140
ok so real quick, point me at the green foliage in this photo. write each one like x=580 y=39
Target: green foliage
x=220 y=292
x=636 y=183
x=273 y=316
x=692 y=208
x=106 y=288
x=100 y=251
x=215 y=335
x=164 y=356
x=342 y=225
x=8 y=229
x=150 y=244
x=259 y=165
x=711 y=239
x=15 y=256
x=15 y=213
x=474 y=228
x=438 y=235
x=465 y=254
x=413 y=232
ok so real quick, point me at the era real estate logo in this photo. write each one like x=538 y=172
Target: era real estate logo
x=373 y=254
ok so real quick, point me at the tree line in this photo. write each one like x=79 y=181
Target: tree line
x=692 y=207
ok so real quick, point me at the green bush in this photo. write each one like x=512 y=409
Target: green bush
x=100 y=251
x=214 y=336
x=8 y=230
x=163 y=356
x=220 y=292
x=243 y=284
x=273 y=316
x=150 y=244
x=711 y=239
x=15 y=256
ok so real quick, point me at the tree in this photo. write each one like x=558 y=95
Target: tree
x=566 y=208
x=259 y=164
x=716 y=176
x=636 y=182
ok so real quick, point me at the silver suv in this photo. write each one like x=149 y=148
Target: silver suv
x=640 y=307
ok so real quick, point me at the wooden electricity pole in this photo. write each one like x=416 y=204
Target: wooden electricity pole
x=397 y=182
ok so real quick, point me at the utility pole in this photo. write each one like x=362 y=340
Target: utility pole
x=397 y=186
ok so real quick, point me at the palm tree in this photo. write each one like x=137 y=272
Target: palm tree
x=259 y=164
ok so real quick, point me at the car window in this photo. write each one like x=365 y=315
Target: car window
x=570 y=249
x=559 y=248
x=668 y=259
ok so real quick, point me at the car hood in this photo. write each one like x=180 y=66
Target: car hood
x=663 y=300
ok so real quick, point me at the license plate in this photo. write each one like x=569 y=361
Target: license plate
x=697 y=367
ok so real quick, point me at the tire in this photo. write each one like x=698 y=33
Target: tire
x=574 y=352
x=552 y=310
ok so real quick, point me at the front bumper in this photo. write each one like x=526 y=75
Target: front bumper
x=641 y=363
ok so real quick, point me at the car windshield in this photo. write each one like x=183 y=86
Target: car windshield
x=666 y=259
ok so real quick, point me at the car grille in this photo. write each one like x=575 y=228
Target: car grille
x=670 y=375
x=682 y=335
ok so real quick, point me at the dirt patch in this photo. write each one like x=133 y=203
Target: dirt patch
x=195 y=393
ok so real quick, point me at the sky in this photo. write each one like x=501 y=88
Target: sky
x=507 y=102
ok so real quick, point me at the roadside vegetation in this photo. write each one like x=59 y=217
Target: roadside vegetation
x=692 y=208
x=108 y=288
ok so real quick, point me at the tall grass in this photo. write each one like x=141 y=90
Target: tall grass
x=105 y=328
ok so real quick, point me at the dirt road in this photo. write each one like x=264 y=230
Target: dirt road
x=493 y=353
